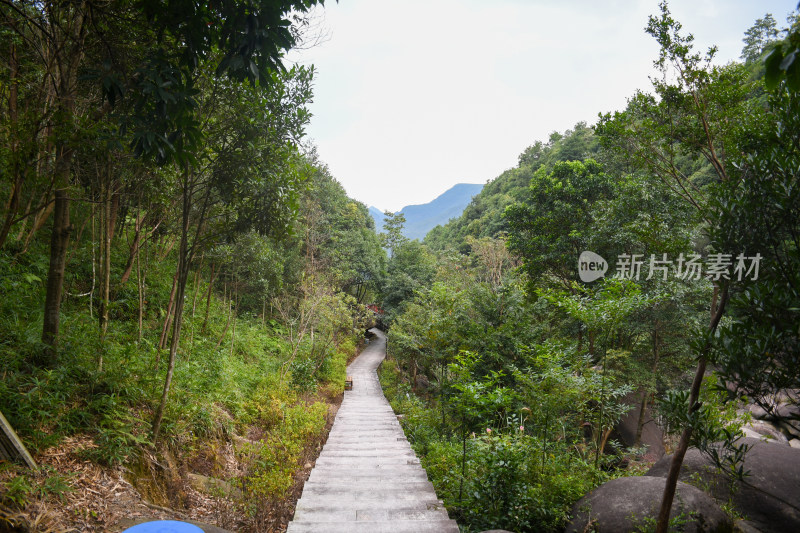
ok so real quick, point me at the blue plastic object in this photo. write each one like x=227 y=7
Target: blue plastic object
x=164 y=526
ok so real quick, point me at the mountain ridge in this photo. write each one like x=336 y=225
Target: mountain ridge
x=421 y=218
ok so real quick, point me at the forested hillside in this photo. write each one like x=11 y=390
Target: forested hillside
x=182 y=281
x=629 y=288
x=483 y=217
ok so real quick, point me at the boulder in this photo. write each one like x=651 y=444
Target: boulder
x=421 y=383
x=629 y=504
x=759 y=413
x=795 y=443
x=790 y=427
x=743 y=526
x=765 y=431
x=652 y=436
x=769 y=497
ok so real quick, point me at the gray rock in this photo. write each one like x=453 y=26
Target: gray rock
x=652 y=436
x=795 y=443
x=422 y=383
x=765 y=431
x=759 y=413
x=743 y=526
x=769 y=496
x=627 y=504
x=788 y=410
x=790 y=427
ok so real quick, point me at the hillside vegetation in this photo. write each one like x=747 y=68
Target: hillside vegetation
x=181 y=280
x=513 y=367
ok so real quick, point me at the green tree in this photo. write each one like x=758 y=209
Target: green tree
x=783 y=61
x=699 y=115
x=550 y=229
x=759 y=348
x=175 y=39
x=758 y=37
x=392 y=236
x=411 y=269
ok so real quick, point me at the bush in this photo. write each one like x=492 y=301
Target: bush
x=302 y=373
x=274 y=461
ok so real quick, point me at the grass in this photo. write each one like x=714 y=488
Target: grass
x=221 y=388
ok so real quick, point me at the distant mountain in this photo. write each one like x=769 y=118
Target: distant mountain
x=377 y=216
x=420 y=219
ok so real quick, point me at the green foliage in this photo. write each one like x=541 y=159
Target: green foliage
x=502 y=475
x=716 y=426
x=758 y=37
x=22 y=488
x=483 y=217
x=410 y=270
x=783 y=61
x=548 y=230
x=392 y=237
x=275 y=459
x=302 y=375
x=758 y=347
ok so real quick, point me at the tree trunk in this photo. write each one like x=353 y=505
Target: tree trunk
x=41 y=217
x=140 y=291
x=106 y=231
x=162 y=341
x=14 y=198
x=134 y=251
x=227 y=324
x=69 y=54
x=645 y=395
x=181 y=277
x=208 y=297
x=694 y=393
x=138 y=240
x=640 y=423
x=233 y=328
x=197 y=284
x=59 y=241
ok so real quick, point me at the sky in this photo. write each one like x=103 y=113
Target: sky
x=414 y=96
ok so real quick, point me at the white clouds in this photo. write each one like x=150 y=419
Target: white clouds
x=414 y=96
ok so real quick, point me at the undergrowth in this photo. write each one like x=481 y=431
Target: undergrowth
x=221 y=387
x=509 y=478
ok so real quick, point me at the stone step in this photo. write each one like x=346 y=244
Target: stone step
x=368 y=478
x=367 y=460
x=384 y=475
x=364 y=499
x=321 y=486
x=350 y=454
x=393 y=526
x=372 y=515
x=365 y=445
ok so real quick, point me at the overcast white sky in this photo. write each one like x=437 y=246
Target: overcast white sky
x=414 y=96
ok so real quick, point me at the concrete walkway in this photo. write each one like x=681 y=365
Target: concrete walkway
x=367 y=478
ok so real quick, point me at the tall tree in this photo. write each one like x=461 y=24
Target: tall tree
x=392 y=236
x=760 y=35
x=698 y=116
x=175 y=38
